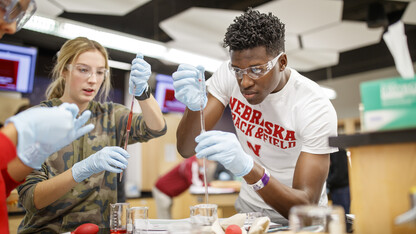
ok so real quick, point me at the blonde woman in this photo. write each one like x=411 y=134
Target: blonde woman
x=77 y=184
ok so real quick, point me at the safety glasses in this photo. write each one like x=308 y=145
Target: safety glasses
x=17 y=11
x=86 y=71
x=254 y=72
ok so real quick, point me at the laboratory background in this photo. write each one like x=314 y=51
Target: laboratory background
x=350 y=48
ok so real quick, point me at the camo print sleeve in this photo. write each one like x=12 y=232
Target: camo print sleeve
x=139 y=131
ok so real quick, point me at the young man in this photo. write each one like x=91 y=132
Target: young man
x=40 y=130
x=282 y=120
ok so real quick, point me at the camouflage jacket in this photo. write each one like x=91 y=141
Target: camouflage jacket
x=89 y=201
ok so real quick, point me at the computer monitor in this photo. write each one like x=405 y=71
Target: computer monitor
x=165 y=95
x=17 y=68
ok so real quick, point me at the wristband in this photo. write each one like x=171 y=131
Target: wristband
x=145 y=95
x=262 y=182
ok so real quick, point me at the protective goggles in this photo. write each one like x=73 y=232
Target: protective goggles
x=17 y=11
x=254 y=72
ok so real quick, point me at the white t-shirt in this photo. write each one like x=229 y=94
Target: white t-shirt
x=297 y=118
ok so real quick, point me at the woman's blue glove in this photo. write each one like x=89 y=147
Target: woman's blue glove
x=224 y=148
x=110 y=158
x=44 y=130
x=139 y=75
x=187 y=84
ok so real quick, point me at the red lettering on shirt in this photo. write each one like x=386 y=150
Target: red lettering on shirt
x=232 y=102
x=249 y=121
x=237 y=122
x=249 y=130
x=239 y=107
x=290 y=136
x=255 y=149
x=268 y=127
x=278 y=131
x=255 y=117
x=242 y=125
x=259 y=133
x=246 y=113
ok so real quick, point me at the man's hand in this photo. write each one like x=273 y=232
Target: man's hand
x=187 y=84
x=224 y=148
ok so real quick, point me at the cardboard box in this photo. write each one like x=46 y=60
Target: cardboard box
x=389 y=104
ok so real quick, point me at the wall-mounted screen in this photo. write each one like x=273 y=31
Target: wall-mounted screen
x=17 y=68
x=165 y=95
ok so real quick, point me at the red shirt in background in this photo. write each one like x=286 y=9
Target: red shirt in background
x=7 y=184
x=180 y=178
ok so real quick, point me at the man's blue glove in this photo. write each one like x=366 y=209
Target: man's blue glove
x=110 y=158
x=224 y=148
x=44 y=130
x=187 y=84
x=139 y=75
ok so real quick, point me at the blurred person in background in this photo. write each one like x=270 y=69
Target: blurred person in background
x=190 y=172
x=338 y=180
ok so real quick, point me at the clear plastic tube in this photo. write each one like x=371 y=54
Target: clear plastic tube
x=202 y=89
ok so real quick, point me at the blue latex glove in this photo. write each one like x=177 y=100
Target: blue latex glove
x=188 y=86
x=139 y=75
x=224 y=148
x=110 y=158
x=44 y=130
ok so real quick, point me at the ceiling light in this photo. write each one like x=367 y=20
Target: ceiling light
x=119 y=65
x=119 y=41
x=180 y=56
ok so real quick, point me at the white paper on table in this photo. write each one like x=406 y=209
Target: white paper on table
x=211 y=190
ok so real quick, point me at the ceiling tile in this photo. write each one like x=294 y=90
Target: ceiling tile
x=105 y=7
x=291 y=42
x=199 y=23
x=347 y=35
x=409 y=16
x=210 y=49
x=306 y=60
x=299 y=17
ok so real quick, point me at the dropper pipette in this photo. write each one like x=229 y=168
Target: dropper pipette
x=202 y=89
x=126 y=141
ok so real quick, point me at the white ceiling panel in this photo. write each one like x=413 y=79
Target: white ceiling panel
x=291 y=42
x=48 y=8
x=201 y=23
x=308 y=60
x=105 y=7
x=210 y=49
x=302 y=16
x=347 y=35
x=409 y=16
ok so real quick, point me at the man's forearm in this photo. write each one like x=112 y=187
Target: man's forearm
x=188 y=129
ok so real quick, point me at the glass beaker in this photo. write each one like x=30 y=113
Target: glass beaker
x=203 y=214
x=118 y=217
x=138 y=220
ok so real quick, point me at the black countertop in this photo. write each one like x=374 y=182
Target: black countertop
x=374 y=138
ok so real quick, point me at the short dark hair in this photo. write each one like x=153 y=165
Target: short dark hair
x=253 y=29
